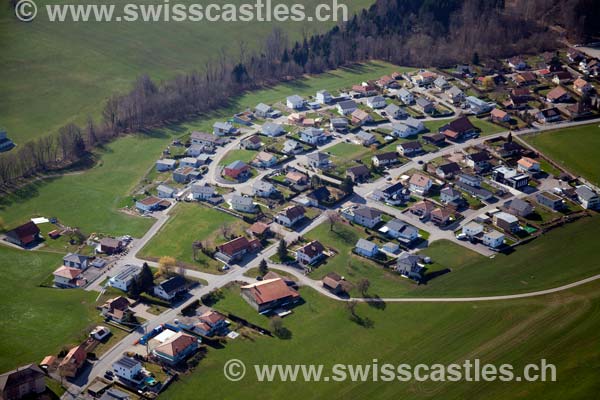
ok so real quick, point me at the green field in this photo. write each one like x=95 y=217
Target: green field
x=38 y=321
x=191 y=222
x=90 y=199
x=240 y=154
x=577 y=149
x=559 y=328
x=528 y=268
x=54 y=73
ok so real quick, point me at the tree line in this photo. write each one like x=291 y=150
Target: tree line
x=404 y=32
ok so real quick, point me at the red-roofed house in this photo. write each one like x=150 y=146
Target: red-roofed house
x=176 y=349
x=235 y=249
x=67 y=277
x=73 y=361
x=311 y=253
x=269 y=294
x=24 y=235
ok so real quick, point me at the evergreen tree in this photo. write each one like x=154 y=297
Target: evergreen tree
x=282 y=250
x=145 y=279
x=263 y=268
x=134 y=290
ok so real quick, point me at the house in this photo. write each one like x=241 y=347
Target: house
x=478 y=106
x=129 y=369
x=117 y=309
x=366 y=248
x=441 y=216
x=334 y=283
x=251 y=143
x=408 y=266
x=318 y=196
x=238 y=170
x=165 y=164
x=409 y=127
x=296 y=178
x=587 y=197
x=424 y=105
x=364 y=138
x=517 y=63
x=424 y=78
x=548 y=115
x=384 y=159
x=360 y=173
x=24 y=235
x=206 y=139
x=471 y=180
x=362 y=215
x=78 y=261
x=506 y=221
x=447 y=171
x=360 y=117
x=510 y=177
x=449 y=195
x=262 y=110
x=392 y=194
x=265 y=160
x=562 y=77
x=124 y=278
x=290 y=216
x=195 y=150
x=236 y=249
x=458 y=129
x=310 y=253
x=202 y=191
x=400 y=230
x=223 y=128
x=582 y=86
x=109 y=246
x=313 y=136
x=165 y=192
x=420 y=184
x=550 y=200
x=203 y=159
x=472 y=229
x=493 y=239
x=346 y=107
x=510 y=149
x=364 y=90
x=395 y=112
x=24 y=382
x=441 y=83
x=67 y=277
x=72 y=362
x=209 y=324
x=525 y=79
x=185 y=174
x=519 y=207
x=479 y=161
x=259 y=229
x=243 y=203
x=270 y=294
x=409 y=149
x=405 y=96
x=148 y=204
x=290 y=146
x=295 y=102
x=318 y=160
x=558 y=95
x=263 y=189
x=323 y=97
x=170 y=288
x=455 y=95
x=100 y=333
x=376 y=102
x=177 y=349
x=387 y=82
x=436 y=139
x=526 y=164
x=272 y=129
x=498 y=115
x=423 y=208
x=338 y=124
x=475 y=191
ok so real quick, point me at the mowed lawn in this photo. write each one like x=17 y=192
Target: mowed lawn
x=191 y=222
x=577 y=149
x=534 y=266
x=560 y=328
x=90 y=199
x=55 y=73
x=37 y=321
x=239 y=154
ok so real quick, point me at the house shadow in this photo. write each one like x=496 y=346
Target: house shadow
x=434 y=274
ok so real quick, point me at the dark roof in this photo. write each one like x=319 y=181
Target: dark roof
x=127 y=362
x=387 y=156
x=25 y=233
x=512 y=146
x=359 y=170
x=479 y=157
x=320 y=194
x=15 y=378
x=460 y=125
x=294 y=212
x=550 y=112
x=312 y=249
x=175 y=283
x=367 y=212
x=411 y=145
x=396 y=187
x=449 y=168
x=519 y=205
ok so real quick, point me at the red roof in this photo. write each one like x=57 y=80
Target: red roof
x=237 y=245
x=270 y=290
x=26 y=233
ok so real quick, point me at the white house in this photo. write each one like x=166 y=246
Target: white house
x=366 y=248
x=406 y=96
x=318 y=160
x=223 y=128
x=346 y=107
x=295 y=102
x=165 y=192
x=78 y=261
x=262 y=110
x=202 y=191
x=365 y=216
x=263 y=189
x=189 y=162
x=124 y=278
x=479 y=106
x=455 y=95
x=376 y=102
x=312 y=135
x=420 y=184
x=587 y=197
x=323 y=97
x=400 y=230
x=272 y=129
x=128 y=368
x=166 y=164
x=310 y=253
x=493 y=239
x=409 y=127
x=290 y=216
x=242 y=203
x=170 y=288
x=472 y=229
